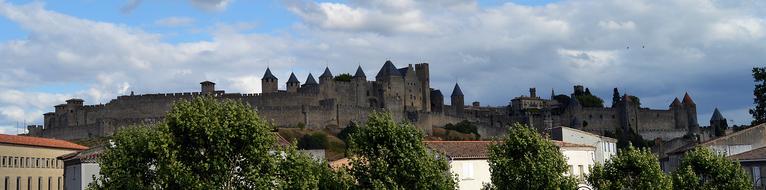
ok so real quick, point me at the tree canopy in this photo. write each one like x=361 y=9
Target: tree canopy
x=759 y=93
x=526 y=160
x=589 y=100
x=701 y=168
x=389 y=155
x=464 y=127
x=345 y=77
x=205 y=143
x=631 y=168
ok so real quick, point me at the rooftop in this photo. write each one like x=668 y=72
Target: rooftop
x=461 y=149
x=39 y=142
x=758 y=154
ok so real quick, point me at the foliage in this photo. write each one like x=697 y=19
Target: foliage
x=615 y=97
x=631 y=168
x=345 y=77
x=588 y=100
x=352 y=127
x=389 y=155
x=759 y=92
x=702 y=168
x=315 y=140
x=464 y=127
x=630 y=138
x=204 y=143
x=526 y=160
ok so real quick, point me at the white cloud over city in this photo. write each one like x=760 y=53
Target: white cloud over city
x=654 y=49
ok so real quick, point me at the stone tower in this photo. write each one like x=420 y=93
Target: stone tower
x=424 y=77
x=293 y=84
x=628 y=111
x=718 y=123
x=268 y=82
x=207 y=87
x=392 y=83
x=679 y=113
x=360 y=86
x=691 y=113
x=457 y=99
x=326 y=83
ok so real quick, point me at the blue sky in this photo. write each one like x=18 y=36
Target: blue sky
x=97 y=50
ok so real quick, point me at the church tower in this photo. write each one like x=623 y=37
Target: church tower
x=268 y=82
x=457 y=99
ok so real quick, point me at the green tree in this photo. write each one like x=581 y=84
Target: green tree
x=352 y=127
x=204 y=143
x=631 y=168
x=389 y=155
x=759 y=92
x=588 y=100
x=526 y=160
x=702 y=168
x=615 y=97
x=464 y=127
x=345 y=77
x=315 y=140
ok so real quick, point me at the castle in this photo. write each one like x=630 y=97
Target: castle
x=335 y=101
x=331 y=102
x=678 y=120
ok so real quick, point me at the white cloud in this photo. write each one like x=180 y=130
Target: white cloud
x=211 y=5
x=495 y=52
x=174 y=21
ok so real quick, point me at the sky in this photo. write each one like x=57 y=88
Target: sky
x=51 y=51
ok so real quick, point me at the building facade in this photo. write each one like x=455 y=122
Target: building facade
x=606 y=147
x=30 y=162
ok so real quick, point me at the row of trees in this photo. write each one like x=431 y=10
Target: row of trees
x=205 y=143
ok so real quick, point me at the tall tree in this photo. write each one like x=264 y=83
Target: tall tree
x=526 y=160
x=615 y=97
x=702 y=168
x=759 y=92
x=630 y=169
x=389 y=155
x=205 y=144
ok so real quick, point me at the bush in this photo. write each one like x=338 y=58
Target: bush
x=315 y=140
x=463 y=127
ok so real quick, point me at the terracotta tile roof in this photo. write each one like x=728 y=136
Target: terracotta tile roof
x=562 y=144
x=461 y=149
x=758 y=154
x=84 y=156
x=41 y=142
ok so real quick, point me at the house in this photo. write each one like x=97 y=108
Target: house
x=606 y=147
x=754 y=163
x=467 y=159
x=735 y=143
x=81 y=167
x=580 y=158
x=30 y=162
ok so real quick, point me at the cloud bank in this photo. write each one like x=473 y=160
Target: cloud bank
x=655 y=50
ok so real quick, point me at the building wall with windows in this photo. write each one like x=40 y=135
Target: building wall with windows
x=471 y=173
x=30 y=163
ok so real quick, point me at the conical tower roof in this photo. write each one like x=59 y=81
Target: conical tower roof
x=310 y=80
x=326 y=73
x=268 y=75
x=359 y=73
x=456 y=91
x=388 y=69
x=675 y=103
x=293 y=79
x=717 y=116
x=688 y=100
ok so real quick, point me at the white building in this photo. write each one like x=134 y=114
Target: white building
x=467 y=159
x=580 y=158
x=606 y=147
x=80 y=168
